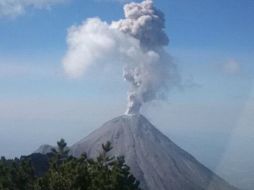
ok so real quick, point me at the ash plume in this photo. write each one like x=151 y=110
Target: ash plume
x=137 y=42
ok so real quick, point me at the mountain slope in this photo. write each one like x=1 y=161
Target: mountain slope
x=154 y=159
x=44 y=149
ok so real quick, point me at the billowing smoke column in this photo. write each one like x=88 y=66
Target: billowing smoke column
x=137 y=41
x=145 y=23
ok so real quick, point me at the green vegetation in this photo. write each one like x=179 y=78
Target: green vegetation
x=68 y=173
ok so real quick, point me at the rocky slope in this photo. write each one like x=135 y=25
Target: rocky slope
x=154 y=159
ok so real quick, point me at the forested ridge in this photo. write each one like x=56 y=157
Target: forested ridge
x=59 y=171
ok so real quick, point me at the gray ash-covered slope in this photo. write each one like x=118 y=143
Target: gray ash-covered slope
x=154 y=159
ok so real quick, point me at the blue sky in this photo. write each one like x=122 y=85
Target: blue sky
x=210 y=40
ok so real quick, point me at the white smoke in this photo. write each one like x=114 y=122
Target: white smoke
x=144 y=22
x=137 y=41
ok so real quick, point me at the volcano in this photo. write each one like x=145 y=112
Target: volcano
x=157 y=162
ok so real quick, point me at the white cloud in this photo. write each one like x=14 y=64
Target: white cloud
x=119 y=1
x=13 y=8
x=232 y=67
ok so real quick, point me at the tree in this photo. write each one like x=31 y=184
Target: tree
x=68 y=173
x=16 y=174
x=62 y=150
x=103 y=173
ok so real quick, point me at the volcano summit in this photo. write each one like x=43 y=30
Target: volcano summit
x=154 y=159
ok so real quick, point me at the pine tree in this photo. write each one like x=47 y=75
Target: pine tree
x=68 y=173
x=62 y=150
